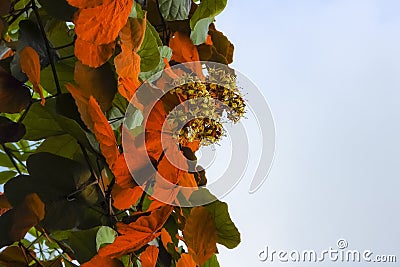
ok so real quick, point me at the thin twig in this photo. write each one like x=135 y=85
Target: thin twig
x=48 y=48
x=29 y=254
x=10 y=155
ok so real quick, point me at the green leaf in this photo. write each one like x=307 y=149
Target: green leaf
x=211 y=262
x=40 y=123
x=175 y=9
x=59 y=34
x=207 y=9
x=59 y=9
x=204 y=15
x=228 y=234
x=105 y=235
x=82 y=243
x=6 y=175
x=5 y=161
x=148 y=52
x=65 y=74
x=43 y=121
x=136 y=11
x=154 y=74
x=62 y=145
x=200 y=31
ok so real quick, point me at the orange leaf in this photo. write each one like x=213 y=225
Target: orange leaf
x=82 y=103
x=101 y=24
x=209 y=40
x=149 y=256
x=91 y=54
x=125 y=198
x=103 y=132
x=30 y=64
x=98 y=261
x=127 y=64
x=186 y=261
x=132 y=34
x=136 y=234
x=87 y=3
x=165 y=238
x=122 y=174
x=183 y=50
x=200 y=234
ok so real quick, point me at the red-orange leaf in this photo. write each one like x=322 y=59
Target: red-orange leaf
x=127 y=64
x=200 y=234
x=30 y=65
x=93 y=55
x=183 y=50
x=98 y=261
x=87 y=3
x=82 y=103
x=103 y=132
x=124 y=198
x=165 y=238
x=136 y=234
x=101 y=24
x=149 y=256
x=186 y=261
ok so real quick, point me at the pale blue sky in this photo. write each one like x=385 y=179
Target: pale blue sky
x=330 y=71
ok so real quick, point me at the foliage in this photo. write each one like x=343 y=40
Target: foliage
x=68 y=69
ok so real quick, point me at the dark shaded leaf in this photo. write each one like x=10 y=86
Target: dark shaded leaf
x=99 y=82
x=14 y=96
x=59 y=9
x=10 y=131
x=12 y=256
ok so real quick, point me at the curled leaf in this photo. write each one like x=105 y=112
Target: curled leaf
x=104 y=133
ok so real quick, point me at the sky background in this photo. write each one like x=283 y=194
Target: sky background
x=330 y=71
